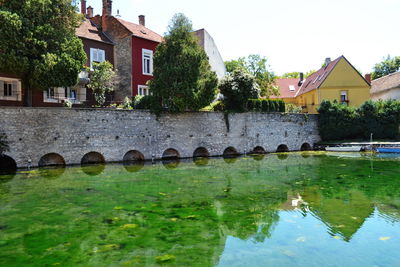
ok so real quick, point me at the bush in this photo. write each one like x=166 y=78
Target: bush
x=146 y=102
x=237 y=88
x=338 y=122
x=291 y=108
x=215 y=106
x=265 y=105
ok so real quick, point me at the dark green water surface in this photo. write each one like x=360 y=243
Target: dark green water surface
x=313 y=209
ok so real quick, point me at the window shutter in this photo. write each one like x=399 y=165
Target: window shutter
x=102 y=55
x=14 y=89
x=91 y=57
x=82 y=94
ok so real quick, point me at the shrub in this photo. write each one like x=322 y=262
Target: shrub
x=237 y=88
x=265 y=105
x=146 y=102
x=215 y=106
x=338 y=122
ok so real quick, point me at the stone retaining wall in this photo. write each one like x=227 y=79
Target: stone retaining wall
x=72 y=133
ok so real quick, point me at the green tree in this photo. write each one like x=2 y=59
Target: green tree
x=38 y=43
x=238 y=87
x=296 y=74
x=183 y=79
x=257 y=66
x=102 y=81
x=387 y=66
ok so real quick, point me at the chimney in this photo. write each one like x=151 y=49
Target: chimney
x=83 y=7
x=89 y=12
x=109 y=7
x=327 y=61
x=301 y=79
x=103 y=16
x=368 y=77
x=141 y=20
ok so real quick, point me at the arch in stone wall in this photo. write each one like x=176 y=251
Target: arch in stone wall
x=230 y=152
x=282 y=148
x=7 y=164
x=306 y=147
x=51 y=159
x=92 y=158
x=170 y=153
x=201 y=152
x=133 y=155
x=258 y=150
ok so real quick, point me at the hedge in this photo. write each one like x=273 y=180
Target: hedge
x=338 y=122
x=266 y=105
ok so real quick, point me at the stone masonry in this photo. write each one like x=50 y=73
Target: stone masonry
x=71 y=133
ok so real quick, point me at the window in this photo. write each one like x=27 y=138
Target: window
x=7 y=89
x=143 y=90
x=10 y=89
x=343 y=97
x=96 y=55
x=147 y=61
x=291 y=88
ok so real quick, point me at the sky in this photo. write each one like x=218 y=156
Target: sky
x=293 y=35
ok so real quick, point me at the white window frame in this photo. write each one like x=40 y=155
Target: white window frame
x=13 y=87
x=346 y=98
x=143 y=90
x=48 y=98
x=147 y=57
x=97 y=55
x=64 y=93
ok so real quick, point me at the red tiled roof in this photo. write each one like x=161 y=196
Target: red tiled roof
x=141 y=31
x=385 y=83
x=315 y=80
x=287 y=87
x=90 y=31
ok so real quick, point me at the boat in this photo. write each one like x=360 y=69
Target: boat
x=388 y=149
x=343 y=148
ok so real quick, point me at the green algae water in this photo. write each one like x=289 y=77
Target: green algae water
x=312 y=209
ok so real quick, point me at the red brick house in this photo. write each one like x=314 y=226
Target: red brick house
x=134 y=49
x=98 y=47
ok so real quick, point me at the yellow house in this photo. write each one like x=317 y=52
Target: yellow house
x=337 y=80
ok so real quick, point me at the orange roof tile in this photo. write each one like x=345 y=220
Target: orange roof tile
x=141 y=31
x=287 y=87
x=90 y=31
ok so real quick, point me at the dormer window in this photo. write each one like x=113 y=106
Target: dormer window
x=292 y=88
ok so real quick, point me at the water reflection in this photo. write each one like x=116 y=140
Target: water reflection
x=282 y=156
x=200 y=161
x=171 y=163
x=133 y=166
x=257 y=157
x=93 y=169
x=315 y=211
x=52 y=172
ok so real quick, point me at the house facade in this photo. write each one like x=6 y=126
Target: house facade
x=98 y=48
x=135 y=46
x=386 y=87
x=214 y=57
x=336 y=80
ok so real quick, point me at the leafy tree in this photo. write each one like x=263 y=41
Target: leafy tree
x=258 y=67
x=296 y=74
x=237 y=87
x=38 y=43
x=387 y=66
x=102 y=81
x=183 y=79
x=3 y=143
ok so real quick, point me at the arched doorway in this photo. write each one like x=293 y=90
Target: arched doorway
x=7 y=164
x=282 y=148
x=258 y=150
x=92 y=158
x=201 y=152
x=306 y=147
x=170 y=153
x=230 y=152
x=132 y=156
x=51 y=159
